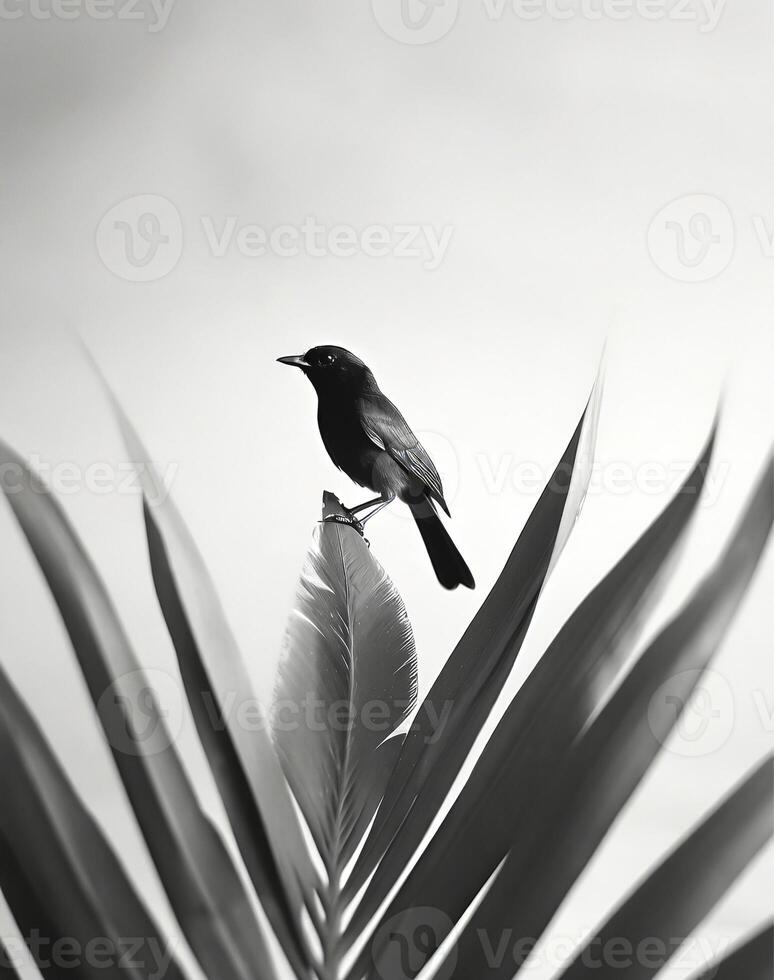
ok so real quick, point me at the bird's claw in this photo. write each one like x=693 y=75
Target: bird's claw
x=350 y=521
x=344 y=519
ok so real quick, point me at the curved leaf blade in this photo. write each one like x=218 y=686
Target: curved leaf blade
x=609 y=760
x=581 y=469
x=687 y=885
x=244 y=763
x=246 y=820
x=472 y=678
x=195 y=868
x=8 y=965
x=752 y=959
x=60 y=876
x=548 y=712
x=346 y=680
x=375 y=778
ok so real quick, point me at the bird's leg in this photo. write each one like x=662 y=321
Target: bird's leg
x=382 y=501
x=350 y=518
x=368 y=503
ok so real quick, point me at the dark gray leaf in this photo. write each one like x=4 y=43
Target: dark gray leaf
x=60 y=877
x=470 y=681
x=243 y=762
x=228 y=772
x=195 y=868
x=608 y=762
x=752 y=960
x=678 y=895
x=546 y=715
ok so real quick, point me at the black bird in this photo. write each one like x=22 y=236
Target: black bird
x=368 y=438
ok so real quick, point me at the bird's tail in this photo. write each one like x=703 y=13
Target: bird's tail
x=448 y=563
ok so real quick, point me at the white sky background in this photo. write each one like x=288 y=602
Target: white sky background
x=547 y=147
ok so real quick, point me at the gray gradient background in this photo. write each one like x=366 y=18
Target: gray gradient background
x=548 y=147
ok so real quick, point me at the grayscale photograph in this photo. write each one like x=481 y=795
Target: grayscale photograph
x=387 y=490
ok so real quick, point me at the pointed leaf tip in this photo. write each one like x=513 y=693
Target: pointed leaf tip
x=349 y=654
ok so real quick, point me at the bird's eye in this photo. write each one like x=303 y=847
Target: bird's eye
x=329 y=359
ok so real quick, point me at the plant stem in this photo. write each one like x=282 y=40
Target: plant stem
x=332 y=939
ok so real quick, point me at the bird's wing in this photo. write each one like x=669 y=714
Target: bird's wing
x=386 y=428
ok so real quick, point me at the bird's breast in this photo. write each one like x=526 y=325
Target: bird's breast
x=347 y=443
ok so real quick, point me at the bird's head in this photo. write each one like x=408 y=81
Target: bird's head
x=329 y=368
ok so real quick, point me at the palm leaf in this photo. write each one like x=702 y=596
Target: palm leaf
x=8 y=968
x=214 y=912
x=472 y=678
x=751 y=960
x=565 y=758
x=376 y=777
x=228 y=771
x=546 y=715
x=348 y=658
x=58 y=873
x=243 y=764
x=609 y=761
x=346 y=681
x=686 y=886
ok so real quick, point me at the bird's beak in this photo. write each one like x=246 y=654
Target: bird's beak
x=295 y=360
